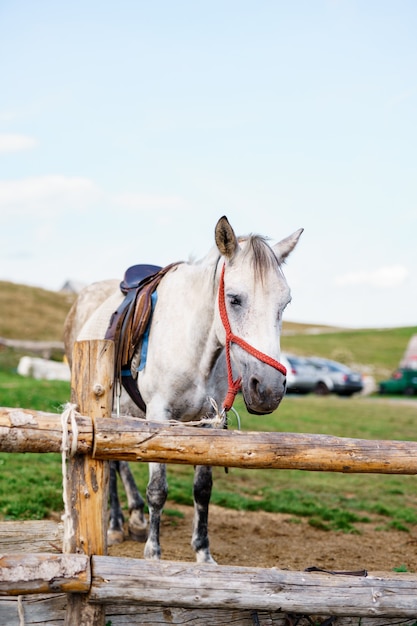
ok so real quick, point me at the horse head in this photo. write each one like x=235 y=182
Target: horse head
x=253 y=294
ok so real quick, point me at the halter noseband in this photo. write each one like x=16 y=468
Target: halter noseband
x=234 y=385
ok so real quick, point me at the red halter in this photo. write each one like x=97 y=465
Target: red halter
x=234 y=385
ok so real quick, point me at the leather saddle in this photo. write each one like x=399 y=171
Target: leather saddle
x=130 y=321
x=134 y=276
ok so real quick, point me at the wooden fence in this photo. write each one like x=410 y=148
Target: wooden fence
x=45 y=348
x=81 y=585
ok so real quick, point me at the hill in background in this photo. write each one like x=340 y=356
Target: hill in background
x=31 y=313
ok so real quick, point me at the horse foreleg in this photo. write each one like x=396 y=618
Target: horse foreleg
x=202 y=491
x=115 y=530
x=156 y=494
x=137 y=521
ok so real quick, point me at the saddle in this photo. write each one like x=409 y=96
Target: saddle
x=129 y=323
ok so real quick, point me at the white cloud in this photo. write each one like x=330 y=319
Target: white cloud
x=388 y=276
x=150 y=202
x=43 y=196
x=16 y=143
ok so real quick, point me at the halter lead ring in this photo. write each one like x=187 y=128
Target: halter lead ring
x=234 y=385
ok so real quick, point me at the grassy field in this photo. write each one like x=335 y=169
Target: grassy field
x=31 y=484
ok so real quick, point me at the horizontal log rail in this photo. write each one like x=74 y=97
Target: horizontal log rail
x=132 y=440
x=114 y=580
x=168 y=583
x=124 y=438
x=44 y=347
x=27 y=430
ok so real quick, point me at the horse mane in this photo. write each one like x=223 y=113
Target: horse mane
x=254 y=247
x=261 y=254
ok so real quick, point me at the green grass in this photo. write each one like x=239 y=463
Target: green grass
x=43 y=395
x=31 y=484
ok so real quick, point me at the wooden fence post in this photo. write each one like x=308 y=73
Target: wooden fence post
x=87 y=478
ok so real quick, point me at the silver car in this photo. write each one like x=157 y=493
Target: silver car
x=336 y=378
x=302 y=375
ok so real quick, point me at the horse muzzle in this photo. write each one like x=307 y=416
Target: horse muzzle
x=263 y=397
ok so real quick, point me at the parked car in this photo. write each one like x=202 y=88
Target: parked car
x=302 y=376
x=403 y=381
x=334 y=377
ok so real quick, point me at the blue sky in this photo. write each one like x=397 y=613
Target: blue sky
x=128 y=128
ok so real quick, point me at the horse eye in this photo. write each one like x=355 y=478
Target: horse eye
x=235 y=301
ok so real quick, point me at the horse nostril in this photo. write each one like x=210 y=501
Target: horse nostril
x=256 y=387
x=262 y=393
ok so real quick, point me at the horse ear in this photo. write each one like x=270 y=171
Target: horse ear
x=226 y=240
x=283 y=248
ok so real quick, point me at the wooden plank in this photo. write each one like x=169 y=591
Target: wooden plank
x=209 y=586
x=44 y=573
x=131 y=439
x=85 y=523
x=31 y=536
x=35 y=610
x=125 y=615
x=50 y=610
x=26 y=430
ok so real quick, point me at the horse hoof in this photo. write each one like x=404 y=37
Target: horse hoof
x=152 y=552
x=203 y=556
x=138 y=534
x=114 y=537
x=138 y=526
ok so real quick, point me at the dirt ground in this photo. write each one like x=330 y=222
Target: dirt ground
x=260 y=539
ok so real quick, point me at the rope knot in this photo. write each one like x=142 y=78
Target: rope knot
x=231 y=394
x=69 y=416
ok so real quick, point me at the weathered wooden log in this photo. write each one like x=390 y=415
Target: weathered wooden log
x=208 y=586
x=24 y=430
x=50 y=609
x=30 y=536
x=44 y=347
x=44 y=573
x=88 y=478
x=137 y=440
x=33 y=610
x=130 y=439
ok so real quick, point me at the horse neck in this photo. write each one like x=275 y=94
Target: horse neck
x=194 y=311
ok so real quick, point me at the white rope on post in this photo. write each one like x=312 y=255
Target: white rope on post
x=20 y=611
x=67 y=451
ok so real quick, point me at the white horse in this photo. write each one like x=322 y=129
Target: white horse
x=215 y=329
